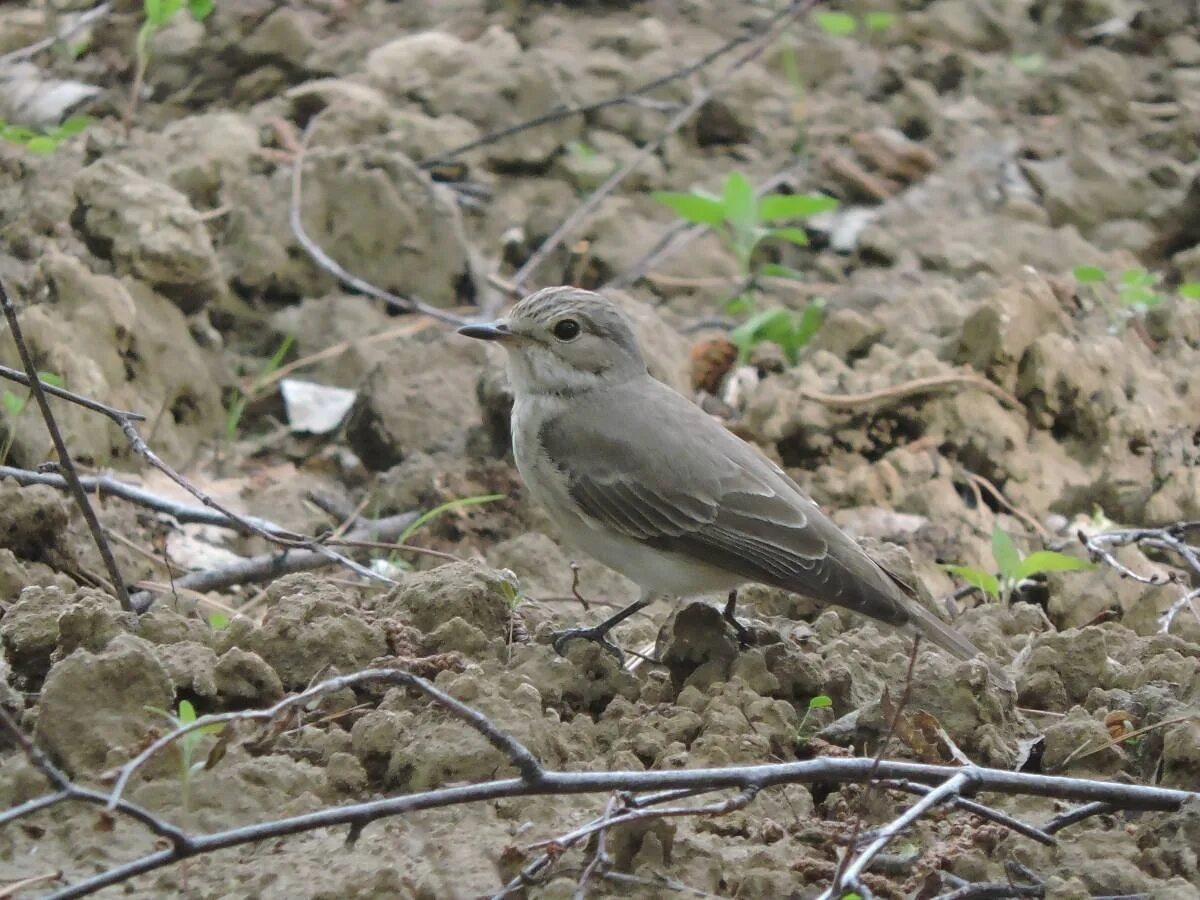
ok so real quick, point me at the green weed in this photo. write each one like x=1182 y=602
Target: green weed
x=818 y=702
x=187 y=745
x=1015 y=568
x=744 y=222
x=1137 y=289
x=43 y=142
x=15 y=405
x=156 y=14
x=844 y=24
x=239 y=398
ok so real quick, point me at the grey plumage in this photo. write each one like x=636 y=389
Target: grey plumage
x=651 y=485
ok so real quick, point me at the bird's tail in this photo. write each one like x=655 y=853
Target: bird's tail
x=949 y=639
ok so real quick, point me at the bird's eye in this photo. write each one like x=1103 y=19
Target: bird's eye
x=566 y=329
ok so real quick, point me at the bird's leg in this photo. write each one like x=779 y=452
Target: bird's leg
x=745 y=636
x=599 y=633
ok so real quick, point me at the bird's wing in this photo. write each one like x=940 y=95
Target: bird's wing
x=707 y=495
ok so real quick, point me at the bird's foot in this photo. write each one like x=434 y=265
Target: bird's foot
x=744 y=635
x=597 y=634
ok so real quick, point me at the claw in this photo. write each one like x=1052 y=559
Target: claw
x=744 y=635
x=597 y=635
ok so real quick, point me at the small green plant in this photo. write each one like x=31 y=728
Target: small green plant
x=43 y=142
x=818 y=702
x=426 y=517
x=843 y=24
x=187 y=745
x=218 y=621
x=744 y=222
x=1137 y=289
x=15 y=405
x=156 y=14
x=1015 y=568
x=512 y=595
x=239 y=398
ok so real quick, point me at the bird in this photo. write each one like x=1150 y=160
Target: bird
x=642 y=479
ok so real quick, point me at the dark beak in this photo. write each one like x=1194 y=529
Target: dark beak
x=490 y=331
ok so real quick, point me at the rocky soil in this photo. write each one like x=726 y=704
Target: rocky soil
x=981 y=151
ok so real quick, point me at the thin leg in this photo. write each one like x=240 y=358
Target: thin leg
x=599 y=633
x=745 y=636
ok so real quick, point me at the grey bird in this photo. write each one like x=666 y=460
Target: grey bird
x=646 y=482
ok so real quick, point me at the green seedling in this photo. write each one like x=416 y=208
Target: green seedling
x=1137 y=289
x=239 y=398
x=843 y=24
x=425 y=518
x=187 y=745
x=43 y=142
x=512 y=595
x=218 y=621
x=15 y=404
x=1015 y=568
x=818 y=702
x=156 y=14
x=744 y=222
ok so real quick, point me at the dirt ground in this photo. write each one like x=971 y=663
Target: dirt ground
x=981 y=152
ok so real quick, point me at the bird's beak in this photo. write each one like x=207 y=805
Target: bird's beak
x=488 y=331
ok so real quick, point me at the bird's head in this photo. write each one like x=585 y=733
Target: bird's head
x=564 y=340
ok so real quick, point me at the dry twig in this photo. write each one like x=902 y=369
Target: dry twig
x=773 y=28
x=60 y=447
x=532 y=779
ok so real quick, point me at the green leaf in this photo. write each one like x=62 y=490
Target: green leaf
x=187 y=712
x=1050 y=561
x=775 y=270
x=838 y=24
x=13 y=404
x=43 y=145
x=738 y=305
x=1139 y=294
x=741 y=210
x=444 y=508
x=879 y=21
x=74 y=125
x=820 y=702
x=796 y=236
x=985 y=581
x=1029 y=62
x=1005 y=551
x=694 y=207
x=51 y=379
x=810 y=323
x=1089 y=274
x=200 y=9
x=777 y=207
x=773 y=324
x=1190 y=290
x=19 y=134
x=218 y=621
x=1138 y=278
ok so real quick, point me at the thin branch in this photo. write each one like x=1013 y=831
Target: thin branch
x=269 y=566
x=941 y=794
x=773 y=28
x=81 y=21
x=536 y=781
x=978 y=809
x=108 y=486
x=517 y=752
x=565 y=112
x=916 y=386
x=1074 y=816
x=64 y=455
x=78 y=399
x=332 y=266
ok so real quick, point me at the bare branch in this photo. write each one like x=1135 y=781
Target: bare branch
x=79 y=22
x=849 y=878
x=332 y=266
x=64 y=455
x=773 y=28
x=978 y=809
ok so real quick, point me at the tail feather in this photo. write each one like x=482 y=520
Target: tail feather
x=952 y=641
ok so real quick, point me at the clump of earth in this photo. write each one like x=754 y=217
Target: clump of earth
x=981 y=154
